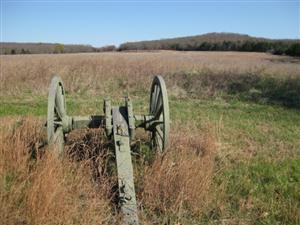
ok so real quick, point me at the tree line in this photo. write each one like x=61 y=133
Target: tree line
x=8 y=48
x=206 y=42
x=290 y=48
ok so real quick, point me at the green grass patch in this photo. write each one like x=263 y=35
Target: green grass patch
x=244 y=128
x=259 y=192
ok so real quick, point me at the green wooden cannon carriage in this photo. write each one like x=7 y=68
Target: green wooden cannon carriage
x=119 y=123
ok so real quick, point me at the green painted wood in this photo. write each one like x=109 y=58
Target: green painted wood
x=121 y=136
x=80 y=122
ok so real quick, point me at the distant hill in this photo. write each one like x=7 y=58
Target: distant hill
x=189 y=40
x=219 y=42
x=205 y=42
x=42 y=48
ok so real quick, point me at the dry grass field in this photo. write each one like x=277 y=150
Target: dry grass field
x=234 y=156
x=97 y=74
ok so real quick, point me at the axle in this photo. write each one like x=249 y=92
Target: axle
x=70 y=123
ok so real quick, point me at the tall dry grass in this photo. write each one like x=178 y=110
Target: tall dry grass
x=102 y=73
x=177 y=185
x=38 y=188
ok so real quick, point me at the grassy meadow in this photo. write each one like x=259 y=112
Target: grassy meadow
x=234 y=156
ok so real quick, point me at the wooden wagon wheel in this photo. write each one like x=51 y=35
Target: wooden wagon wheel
x=56 y=113
x=159 y=110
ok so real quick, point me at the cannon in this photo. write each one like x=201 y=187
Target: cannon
x=120 y=124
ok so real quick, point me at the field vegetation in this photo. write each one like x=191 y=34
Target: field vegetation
x=234 y=156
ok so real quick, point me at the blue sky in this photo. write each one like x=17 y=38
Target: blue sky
x=113 y=22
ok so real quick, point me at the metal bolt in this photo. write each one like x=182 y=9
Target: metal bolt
x=120 y=142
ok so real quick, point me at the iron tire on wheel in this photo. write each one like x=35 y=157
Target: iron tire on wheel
x=56 y=114
x=159 y=109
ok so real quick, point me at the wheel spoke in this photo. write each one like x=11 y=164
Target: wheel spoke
x=158 y=93
x=158 y=102
x=158 y=112
x=58 y=140
x=57 y=112
x=159 y=132
x=158 y=142
x=59 y=101
x=156 y=96
x=153 y=100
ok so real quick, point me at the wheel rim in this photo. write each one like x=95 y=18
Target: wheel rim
x=56 y=113
x=159 y=109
